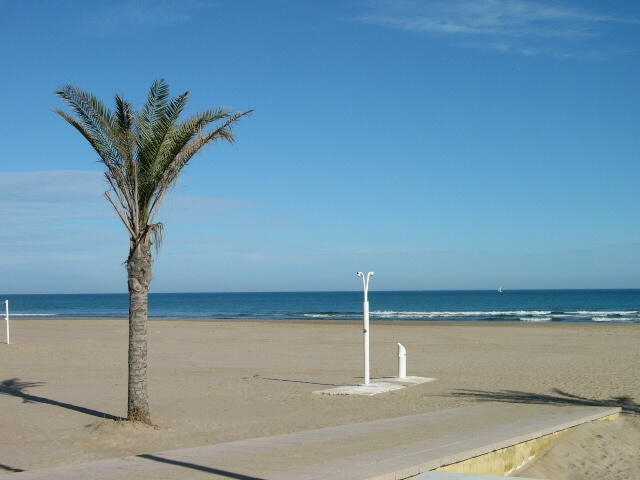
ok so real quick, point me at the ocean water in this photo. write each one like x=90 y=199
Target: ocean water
x=510 y=305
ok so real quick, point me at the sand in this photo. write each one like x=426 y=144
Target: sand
x=64 y=381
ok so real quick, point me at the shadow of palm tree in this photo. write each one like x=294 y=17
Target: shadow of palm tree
x=201 y=468
x=298 y=381
x=559 y=397
x=16 y=388
x=10 y=469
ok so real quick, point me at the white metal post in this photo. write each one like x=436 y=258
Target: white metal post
x=402 y=361
x=365 y=331
x=6 y=319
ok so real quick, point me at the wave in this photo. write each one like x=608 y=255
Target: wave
x=32 y=315
x=325 y=315
x=615 y=319
x=604 y=312
x=491 y=315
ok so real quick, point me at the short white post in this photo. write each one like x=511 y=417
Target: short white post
x=6 y=319
x=402 y=361
x=365 y=330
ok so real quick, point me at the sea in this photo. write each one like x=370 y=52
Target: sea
x=454 y=305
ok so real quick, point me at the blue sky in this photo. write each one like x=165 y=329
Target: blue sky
x=455 y=144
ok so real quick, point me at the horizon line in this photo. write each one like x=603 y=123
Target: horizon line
x=546 y=289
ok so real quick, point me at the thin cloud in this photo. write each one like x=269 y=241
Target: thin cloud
x=78 y=194
x=181 y=206
x=60 y=185
x=136 y=14
x=51 y=212
x=395 y=251
x=37 y=197
x=618 y=243
x=62 y=211
x=524 y=27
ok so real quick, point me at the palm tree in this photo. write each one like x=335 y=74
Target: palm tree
x=144 y=152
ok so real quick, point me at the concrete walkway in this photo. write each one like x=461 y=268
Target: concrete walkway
x=394 y=448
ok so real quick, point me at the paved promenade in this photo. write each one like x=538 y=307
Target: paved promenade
x=389 y=449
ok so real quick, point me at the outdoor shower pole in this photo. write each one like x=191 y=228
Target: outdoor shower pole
x=6 y=319
x=365 y=331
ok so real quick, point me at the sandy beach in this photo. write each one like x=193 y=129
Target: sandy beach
x=64 y=384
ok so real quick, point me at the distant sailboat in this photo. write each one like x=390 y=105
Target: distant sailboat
x=499 y=289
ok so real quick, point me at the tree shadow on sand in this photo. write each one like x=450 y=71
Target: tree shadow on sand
x=16 y=388
x=201 y=468
x=627 y=404
x=259 y=377
x=10 y=468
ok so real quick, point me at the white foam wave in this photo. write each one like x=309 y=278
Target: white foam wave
x=601 y=313
x=522 y=315
x=490 y=313
x=31 y=314
x=615 y=319
x=536 y=319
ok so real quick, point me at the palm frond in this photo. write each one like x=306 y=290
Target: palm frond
x=183 y=133
x=153 y=152
x=157 y=235
x=124 y=114
x=91 y=112
x=105 y=133
x=117 y=206
x=156 y=100
x=86 y=133
x=192 y=146
x=149 y=119
x=223 y=132
x=144 y=151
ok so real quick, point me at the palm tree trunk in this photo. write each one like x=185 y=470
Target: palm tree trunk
x=139 y=266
